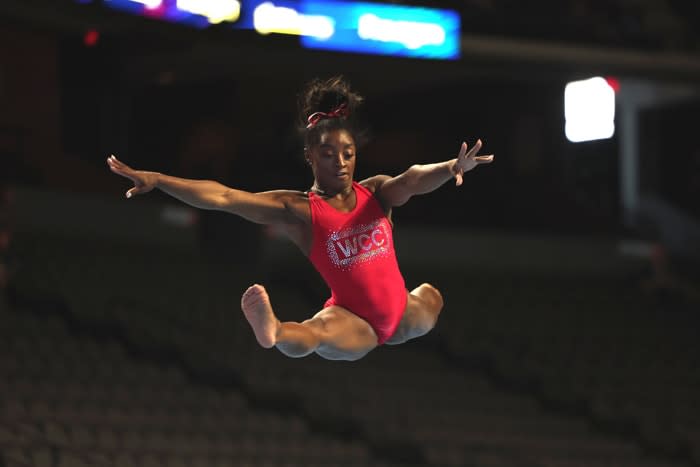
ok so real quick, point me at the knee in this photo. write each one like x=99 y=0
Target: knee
x=295 y=349
x=433 y=297
x=432 y=306
x=301 y=339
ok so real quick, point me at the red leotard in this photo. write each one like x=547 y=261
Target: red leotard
x=354 y=252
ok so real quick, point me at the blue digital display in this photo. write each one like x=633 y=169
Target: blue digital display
x=386 y=29
x=360 y=27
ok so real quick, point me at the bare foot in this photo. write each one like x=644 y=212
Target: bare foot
x=258 y=311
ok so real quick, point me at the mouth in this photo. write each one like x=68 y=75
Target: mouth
x=341 y=174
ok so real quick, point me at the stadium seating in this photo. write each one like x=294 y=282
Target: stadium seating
x=73 y=401
x=492 y=386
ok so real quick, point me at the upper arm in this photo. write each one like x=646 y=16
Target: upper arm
x=391 y=191
x=268 y=207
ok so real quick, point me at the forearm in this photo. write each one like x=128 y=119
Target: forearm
x=202 y=194
x=420 y=179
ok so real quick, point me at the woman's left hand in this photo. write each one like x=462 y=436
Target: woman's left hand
x=466 y=161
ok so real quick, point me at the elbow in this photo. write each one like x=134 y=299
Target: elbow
x=223 y=200
x=410 y=183
x=406 y=189
x=413 y=171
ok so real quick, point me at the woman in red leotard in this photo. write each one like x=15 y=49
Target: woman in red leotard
x=342 y=226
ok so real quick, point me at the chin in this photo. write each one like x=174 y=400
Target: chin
x=336 y=181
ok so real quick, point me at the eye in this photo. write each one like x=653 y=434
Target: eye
x=349 y=155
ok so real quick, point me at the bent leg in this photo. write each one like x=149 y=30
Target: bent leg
x=422 y=310
x=343 y=334
x=333 y=333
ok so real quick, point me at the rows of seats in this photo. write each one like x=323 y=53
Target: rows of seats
x=449 y=414
x=80 y=401
x=599 y=344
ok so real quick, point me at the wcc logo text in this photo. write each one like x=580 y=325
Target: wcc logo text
x=359 y=244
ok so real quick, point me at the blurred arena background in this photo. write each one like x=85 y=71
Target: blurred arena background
x=571 y=270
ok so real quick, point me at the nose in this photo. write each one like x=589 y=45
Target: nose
x=340 y=161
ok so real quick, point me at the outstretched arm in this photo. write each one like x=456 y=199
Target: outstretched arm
x=420 y=179
x=271 y=207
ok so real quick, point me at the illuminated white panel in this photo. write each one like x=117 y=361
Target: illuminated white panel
x=215 y=11
x=411 y=34
x=589 y=110
x=320 y=27
x=268 y=18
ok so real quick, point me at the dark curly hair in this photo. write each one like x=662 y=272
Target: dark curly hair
x=326 y=96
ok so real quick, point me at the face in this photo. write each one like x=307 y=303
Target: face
x=333 y=160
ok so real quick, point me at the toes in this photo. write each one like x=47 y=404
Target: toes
x=254 y=293
x=254 y=289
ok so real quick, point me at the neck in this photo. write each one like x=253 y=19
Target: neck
x=330 y=193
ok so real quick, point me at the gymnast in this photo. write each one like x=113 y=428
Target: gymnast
x=342 y=226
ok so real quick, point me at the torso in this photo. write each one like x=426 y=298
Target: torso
x=301 y=233
x=353 y=250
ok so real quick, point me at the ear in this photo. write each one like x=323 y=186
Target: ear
x=307 y=155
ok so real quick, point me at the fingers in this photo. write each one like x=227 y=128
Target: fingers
x=472 y=152
x=116 y=165
x=124 y=170
x=120 y=168
x=484 y=159
x=132 y=192
x=463 y=154
x=113 y=161
x=462 y=151
x=468 y=160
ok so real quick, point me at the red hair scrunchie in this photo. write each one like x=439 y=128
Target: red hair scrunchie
x=340 y=111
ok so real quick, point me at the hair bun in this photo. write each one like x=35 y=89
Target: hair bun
x=326 y=96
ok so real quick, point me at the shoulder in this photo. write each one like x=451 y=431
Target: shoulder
x=287 y=196
x=295 y=198
x=292 y=194
x=294 y=201
x=374 y=184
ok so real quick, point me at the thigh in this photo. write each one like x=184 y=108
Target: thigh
x=343 y=334
x=403 y=331
x=422 y=308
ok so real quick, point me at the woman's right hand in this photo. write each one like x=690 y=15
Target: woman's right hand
x=143 y=181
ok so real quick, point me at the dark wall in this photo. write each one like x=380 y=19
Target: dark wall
x=206 y=117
